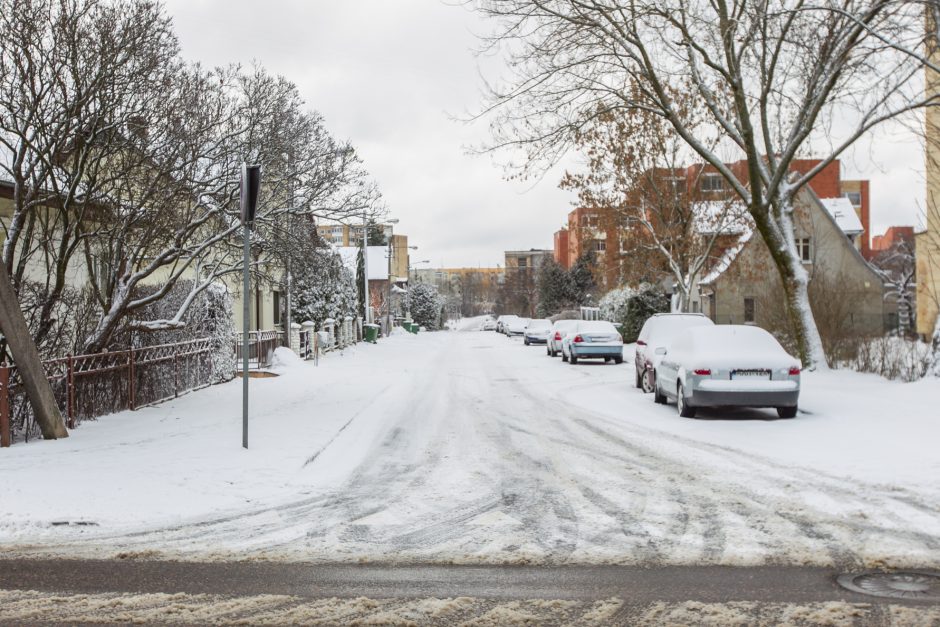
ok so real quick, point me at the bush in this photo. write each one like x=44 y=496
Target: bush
x=891 y=357
x=631 y=307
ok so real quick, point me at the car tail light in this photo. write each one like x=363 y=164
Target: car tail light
x=794 y=371
x=557 y=336
x=578 y=338
x=702 y=372
x=640 y=343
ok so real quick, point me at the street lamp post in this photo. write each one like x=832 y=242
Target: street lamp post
x=365 y=265
x=388 y=297
x=250 y=185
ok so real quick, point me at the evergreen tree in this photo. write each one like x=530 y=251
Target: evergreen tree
x=425 y=305
x=554 y=285
x=581 y=280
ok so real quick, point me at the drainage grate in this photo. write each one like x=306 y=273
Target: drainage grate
x=901 y=585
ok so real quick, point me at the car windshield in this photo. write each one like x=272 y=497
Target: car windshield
x=539 y=325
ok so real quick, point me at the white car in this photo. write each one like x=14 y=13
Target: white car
x=592 y=339
x=727 y=365
x=557 y=334
x=657 y=332
x=536 y=332
x=501 y=322
x=488 y=325
x=516 y=326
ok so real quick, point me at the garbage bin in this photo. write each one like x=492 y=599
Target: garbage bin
x=414 y=327
x=372 y=332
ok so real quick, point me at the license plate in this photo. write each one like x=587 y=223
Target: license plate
x=750 y=374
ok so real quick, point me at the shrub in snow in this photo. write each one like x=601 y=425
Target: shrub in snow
x=424 y=303
x=891 y=357
x=631 y=307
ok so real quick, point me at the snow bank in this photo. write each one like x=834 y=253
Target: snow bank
x=285 y=359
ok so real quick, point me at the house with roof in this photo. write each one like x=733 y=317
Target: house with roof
x=742 y=286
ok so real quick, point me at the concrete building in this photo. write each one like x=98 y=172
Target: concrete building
x=527 y=259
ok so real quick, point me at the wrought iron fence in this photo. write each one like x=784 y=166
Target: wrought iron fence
x=88 y=386
x=261 y=347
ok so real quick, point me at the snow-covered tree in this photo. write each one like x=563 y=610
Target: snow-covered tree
x=898 y=267
x=323 y=288
x=130 y=166
x=777 y=79
x=424 y=303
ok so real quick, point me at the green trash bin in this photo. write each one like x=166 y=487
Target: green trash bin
x=372 y=332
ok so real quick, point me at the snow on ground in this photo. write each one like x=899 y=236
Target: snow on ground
x=471 y=448
x=206 y=609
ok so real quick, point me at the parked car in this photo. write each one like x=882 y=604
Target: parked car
x=516 y=326
x=501 y=322
x=592 y=339
x=727 y=365
x=536 y=332
x=657 y=332
x=557 y=334
x=488 y=325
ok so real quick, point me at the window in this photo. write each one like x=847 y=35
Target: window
x=712 y=183
x=803 y=249
x=854 y=197
x=277 y=308
x=695 y=307
x=748 y=311
x=600 y=245
x=523 y=262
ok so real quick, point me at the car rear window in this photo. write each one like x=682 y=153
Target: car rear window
x=597 y=326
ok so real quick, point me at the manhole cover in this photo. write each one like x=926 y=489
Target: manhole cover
x=901 y=585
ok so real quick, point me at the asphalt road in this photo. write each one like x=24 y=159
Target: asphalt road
x=44 y=592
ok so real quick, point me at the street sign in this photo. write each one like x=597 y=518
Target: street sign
x=250 y=184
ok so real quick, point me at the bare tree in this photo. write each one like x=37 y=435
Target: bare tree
x=124 y=162
x=655 y=216
x=778 y=79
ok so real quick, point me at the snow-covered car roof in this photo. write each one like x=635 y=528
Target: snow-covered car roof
x=731 y=346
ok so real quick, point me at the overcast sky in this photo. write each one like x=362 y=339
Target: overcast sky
x=389 y=75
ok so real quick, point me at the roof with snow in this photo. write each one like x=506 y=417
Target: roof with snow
x=843 y=213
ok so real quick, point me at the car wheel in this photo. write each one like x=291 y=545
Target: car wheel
x=618 y=360
x=606 y=360
x=572 y=359
x=648 y=381
x=658 y=397
x=684 y=410
x=526 y=341
x=563 y=356
x=787 y=412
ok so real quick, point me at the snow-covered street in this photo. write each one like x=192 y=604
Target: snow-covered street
x=467 y=447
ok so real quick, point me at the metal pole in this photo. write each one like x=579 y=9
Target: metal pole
x=365 y=265
x=246 y=313
x=388 y=298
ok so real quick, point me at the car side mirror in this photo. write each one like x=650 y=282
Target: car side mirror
x=661 y=350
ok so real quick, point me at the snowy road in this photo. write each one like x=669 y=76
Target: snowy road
x=470 y=448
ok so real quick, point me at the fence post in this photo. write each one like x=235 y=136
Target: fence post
x=4 y=405
x=70 y=389
x=132 y=385
x=176 y=372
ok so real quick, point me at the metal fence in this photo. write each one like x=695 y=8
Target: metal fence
x=88 y=386
x=261 y=347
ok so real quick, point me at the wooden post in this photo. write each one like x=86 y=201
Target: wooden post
x=131 y=379
x=4 y=405
x=28 y=363
x=70 y=389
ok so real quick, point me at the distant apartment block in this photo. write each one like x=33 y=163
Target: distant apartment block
x=527 y=259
